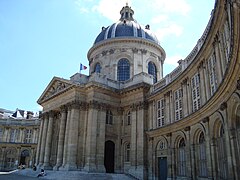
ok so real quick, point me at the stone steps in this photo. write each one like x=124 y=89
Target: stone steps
x=69 y=175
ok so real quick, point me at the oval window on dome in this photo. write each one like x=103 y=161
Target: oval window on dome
x=123 y=70
x=153 y=71
x=97 y=68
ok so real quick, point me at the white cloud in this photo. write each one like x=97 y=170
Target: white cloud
x=173 y=60
x=169 y=30
x=162 y=18
x=109 y=9
x=172 y=6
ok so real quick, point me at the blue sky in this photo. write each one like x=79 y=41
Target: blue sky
x=40 y=39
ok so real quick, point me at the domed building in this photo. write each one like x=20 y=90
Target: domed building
x=125 y=117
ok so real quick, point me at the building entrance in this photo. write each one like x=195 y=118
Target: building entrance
x=162 y=168
x=109 y=156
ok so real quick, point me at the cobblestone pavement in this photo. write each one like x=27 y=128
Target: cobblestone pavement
x=15 y=176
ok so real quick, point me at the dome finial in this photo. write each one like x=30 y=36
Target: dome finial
x=126 y=13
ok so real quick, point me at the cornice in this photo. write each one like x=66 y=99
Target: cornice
x=125 y=40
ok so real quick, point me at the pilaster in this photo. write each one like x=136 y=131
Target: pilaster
x=90 y=163
x=61 y=138
x=43 y=139
x=39 y=142
x=73 y=138
x=46 y=163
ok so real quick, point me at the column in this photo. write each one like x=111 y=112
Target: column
x=133 y=137
x=61 y=138
x=140 y=140
x=170 y=159
x=66 y=139
x=90 y=158
x=48 y=141
x=218 y=60
x=202 y=74
x=189 y=96
x=224 y=108
x=5 y=136
x=101 y=140
x=34 y=138
x=150 y=116
x=21 y=133
x=2 y=158
x=167 y=108
x=206 y=83
x=73 y=138
x=209 y=152
x=188 y=153
x=39 y=142
x=43 y=139
x=185 y=98
x=151 y=158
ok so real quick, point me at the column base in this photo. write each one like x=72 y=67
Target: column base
x=101 y=169
x=56 y=167
x=90 y=168
x=46 y=166
x=138 y=172
x=68 y=167
x=39 y=166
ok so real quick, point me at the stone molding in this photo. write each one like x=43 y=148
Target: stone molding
x=238 y=84
x=223 y=106
x=205 y=120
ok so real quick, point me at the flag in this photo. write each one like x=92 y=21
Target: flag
x=82 y=67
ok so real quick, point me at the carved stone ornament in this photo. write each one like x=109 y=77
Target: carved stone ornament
x=111 y=51
x=223 y=106
x=144 y=51
x=134 y=50
x=238 y=84
x=169 y=134
x=187 y=128
x=205 y=120
x=184 y=82
x=167 y=93
x=55 y=88
x=104 y=53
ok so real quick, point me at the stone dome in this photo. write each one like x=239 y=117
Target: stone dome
x=127 y=26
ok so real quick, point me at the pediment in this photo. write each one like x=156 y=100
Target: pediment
x=56 y=86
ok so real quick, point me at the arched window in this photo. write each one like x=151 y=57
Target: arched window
x=123 y=70
x=202 y=158
x=127 y=152
x=97 y=68
x=181 y=158
x=129 y=118
x=153 y=71
x=109 y=117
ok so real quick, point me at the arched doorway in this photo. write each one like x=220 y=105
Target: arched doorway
x=24 y=157
x=109 y=156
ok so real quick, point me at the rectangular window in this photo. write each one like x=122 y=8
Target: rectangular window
x=160 y=113
x=195 y=84
x=13 y=135
x=178 y=104
x=212 y=74
x=28 y=136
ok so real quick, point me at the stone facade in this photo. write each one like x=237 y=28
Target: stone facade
x=18 y=142
x=184 y=126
